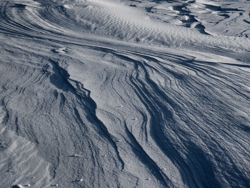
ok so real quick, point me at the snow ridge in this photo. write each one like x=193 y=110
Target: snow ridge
x=124 y=94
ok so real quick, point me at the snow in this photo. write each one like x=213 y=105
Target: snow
x=119 y=93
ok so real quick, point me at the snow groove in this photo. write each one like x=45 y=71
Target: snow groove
x=124 y=94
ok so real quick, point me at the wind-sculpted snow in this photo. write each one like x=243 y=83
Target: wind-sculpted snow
x=124 y=94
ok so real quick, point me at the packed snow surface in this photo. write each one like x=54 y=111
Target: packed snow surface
x=120 y=93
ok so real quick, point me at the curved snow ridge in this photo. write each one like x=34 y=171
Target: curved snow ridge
x=187 y=88
x=96 y=112
x=27 y=18
x=171 y=108
x=228 y=18
x=111 y=19
x=131 y=24
x=47 y=108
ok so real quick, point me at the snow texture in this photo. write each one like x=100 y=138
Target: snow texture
x=120 y=93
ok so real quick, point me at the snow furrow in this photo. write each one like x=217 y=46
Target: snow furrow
x=103 y=94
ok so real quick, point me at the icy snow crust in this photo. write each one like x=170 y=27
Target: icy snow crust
x=105 y=93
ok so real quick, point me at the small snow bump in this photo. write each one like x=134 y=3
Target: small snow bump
x=60 y=50
x=75 y=155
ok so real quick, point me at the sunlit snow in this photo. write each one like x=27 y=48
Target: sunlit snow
x=122 y=94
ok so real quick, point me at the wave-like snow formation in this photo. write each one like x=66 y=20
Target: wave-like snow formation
x=109 y=93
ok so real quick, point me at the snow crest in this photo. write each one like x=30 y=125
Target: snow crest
x=124 y=93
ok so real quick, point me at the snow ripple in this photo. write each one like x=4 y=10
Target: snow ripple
x=97 y=94
x=179 y=108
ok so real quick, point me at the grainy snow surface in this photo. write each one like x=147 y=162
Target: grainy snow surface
x=109 y=93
